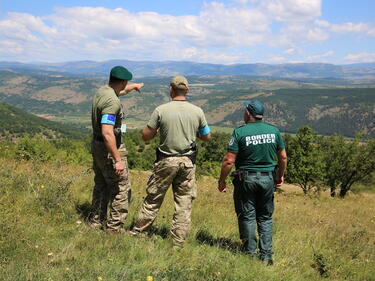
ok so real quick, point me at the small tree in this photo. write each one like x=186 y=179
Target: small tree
x=347 y=162
x=336 y=151
x=360 y=164
x=305 y=166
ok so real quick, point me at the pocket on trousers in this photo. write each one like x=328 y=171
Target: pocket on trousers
x=152 y=186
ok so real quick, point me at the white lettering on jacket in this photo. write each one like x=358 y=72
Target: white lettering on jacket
x=260 y=139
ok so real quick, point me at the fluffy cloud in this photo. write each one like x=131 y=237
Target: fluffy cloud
x=223 y=33
x=292 y=10
x=101 y=33
x=349 y=27
x=360 y=57
x=320 y=57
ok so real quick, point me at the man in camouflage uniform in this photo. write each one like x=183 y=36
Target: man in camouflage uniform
x=252 y=149
x=112 y=184
x=179 y=122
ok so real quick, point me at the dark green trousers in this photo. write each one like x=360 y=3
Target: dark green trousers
x=253 y=201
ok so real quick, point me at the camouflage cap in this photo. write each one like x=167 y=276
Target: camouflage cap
x=255 y=108
x=179 y=82
x=121 y=72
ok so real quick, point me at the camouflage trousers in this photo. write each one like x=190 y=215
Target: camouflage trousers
x=110 y=189
x=180 y=172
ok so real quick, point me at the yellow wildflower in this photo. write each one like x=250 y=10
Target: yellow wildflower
x=150 y=278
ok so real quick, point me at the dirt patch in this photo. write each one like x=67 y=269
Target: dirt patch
x=45 y=116
x=13 y=90
x=319 y=111
x=219 y=113
x=59 y=94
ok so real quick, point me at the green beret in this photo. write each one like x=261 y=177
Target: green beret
x=121 y=72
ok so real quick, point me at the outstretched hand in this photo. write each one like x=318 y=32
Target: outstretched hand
x=138 y=87
x=131 y=87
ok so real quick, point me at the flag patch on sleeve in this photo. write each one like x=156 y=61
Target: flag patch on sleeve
x=108 y=119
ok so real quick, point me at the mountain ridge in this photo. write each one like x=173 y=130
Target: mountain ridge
x=169 y=68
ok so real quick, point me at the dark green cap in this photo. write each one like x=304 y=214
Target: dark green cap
x=255 y=108
x=121 y=72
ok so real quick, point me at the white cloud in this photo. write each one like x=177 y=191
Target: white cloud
x=348 y=27
x=299 y=34
x=360 y=57
x=290 y=51
x=99 y=33
x=320 y=57
x=317 y=34
x=214 y=35
x=277 y=59
x=293 y=10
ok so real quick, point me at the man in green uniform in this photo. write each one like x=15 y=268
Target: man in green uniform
x=252 y=149
x=112 y=185
x=179 y=122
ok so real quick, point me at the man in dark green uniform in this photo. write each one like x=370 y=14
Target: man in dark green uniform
x=112 y=185
x=252 y=149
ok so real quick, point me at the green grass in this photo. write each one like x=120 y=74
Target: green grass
x=43 y=235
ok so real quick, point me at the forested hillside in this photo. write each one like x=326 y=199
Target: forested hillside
x=329 y=106
x=15 y=122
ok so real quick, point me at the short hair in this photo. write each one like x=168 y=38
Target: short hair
x=178 y=91
x=256 y=118
x=114 y=80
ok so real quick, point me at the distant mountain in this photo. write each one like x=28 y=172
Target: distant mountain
x=170 y=68
x=15 y=122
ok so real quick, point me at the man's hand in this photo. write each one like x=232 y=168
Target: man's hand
x=119 y=167
x=222 y=186
x=131 y=87
x=280 y=181
x=138 y=86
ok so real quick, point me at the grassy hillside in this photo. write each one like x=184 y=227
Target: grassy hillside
x=43 y=235
x=15 y=122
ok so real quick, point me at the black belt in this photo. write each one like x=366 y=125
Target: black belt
x=256 y=173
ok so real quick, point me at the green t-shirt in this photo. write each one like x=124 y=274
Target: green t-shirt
x=179 y=122
x=255 y=145
x=105 y=102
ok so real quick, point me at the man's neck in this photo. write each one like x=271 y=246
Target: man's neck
x=117 y=91
x=179 y=98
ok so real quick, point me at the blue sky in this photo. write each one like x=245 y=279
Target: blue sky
x=231 y=31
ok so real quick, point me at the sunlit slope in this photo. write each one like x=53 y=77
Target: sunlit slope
x=44 y=235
